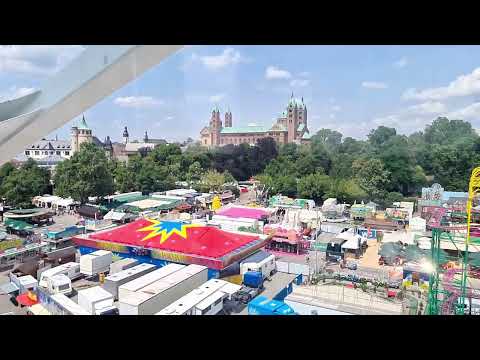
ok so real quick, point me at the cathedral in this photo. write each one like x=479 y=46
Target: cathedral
x=290 y=127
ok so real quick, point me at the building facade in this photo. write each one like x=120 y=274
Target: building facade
x=291 y=127
x=127 y=149
x=48 y=153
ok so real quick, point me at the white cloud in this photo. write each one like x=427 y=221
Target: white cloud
x=413 y=118
x=273 y=72
x=374 y=85
x=138 y=101
x=229 y=56
x=36 y=59
x=14 y=93
x=304 y=74
x=429 y=107
x=216 y=98
x=463 y=85
x=332 y=116
x=299 y=82
x=336 y=108
x=401 y=63
x=169 y=117
x=332 y=100
x=470 y=112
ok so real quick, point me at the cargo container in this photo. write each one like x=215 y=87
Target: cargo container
x=71 y=269
x=132 y=286
x=207 y=299
x=113 y=282
x=96 y=262
x=95 y=300
x=158 y=295
x=122 y=264
x=263 y=306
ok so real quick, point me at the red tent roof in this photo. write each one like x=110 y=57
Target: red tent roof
x=176 y=236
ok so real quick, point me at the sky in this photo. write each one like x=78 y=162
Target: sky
x=351 y=89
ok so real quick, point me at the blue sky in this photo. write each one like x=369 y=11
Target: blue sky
x=347 y=88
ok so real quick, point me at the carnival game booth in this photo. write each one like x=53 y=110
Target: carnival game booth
x=163 y=242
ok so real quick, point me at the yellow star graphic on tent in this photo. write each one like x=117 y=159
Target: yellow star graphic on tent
x=166 y=229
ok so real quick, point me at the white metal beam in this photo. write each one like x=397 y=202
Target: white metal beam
x=94 y=75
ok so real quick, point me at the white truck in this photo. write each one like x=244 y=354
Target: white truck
x=96 y=301
x=96 y=262
x=260 y=261
x=59 y=284
x=71 y=270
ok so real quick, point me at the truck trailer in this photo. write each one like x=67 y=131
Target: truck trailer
x=96 y=262
x=122 y=264
x=205 y=300
x=113 y=282
x=96 y=301
x=132 y=286
x=158 y=295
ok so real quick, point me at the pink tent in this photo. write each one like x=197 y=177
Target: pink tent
x=249 y=213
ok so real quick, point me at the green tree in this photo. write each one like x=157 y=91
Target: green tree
x=213 y=180
x=21 y=185
x=399 y=162
x=314 y=186
x=124 y=178
x=5 y=170
x=371 y=175
x=85 y=174
x=330 y=139
x=444 y=131
x=381 y=135
x=346 y=190
x=194 y=172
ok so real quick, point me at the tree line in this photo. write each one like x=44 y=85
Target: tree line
x=385 y=167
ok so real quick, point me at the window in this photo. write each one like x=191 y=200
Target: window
x=218 y=301
x=64 y=287
x=52 y=152
x=37 y=152
x=204 y=311
x=67 y=153
x=58 y=153
x=27 y=152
